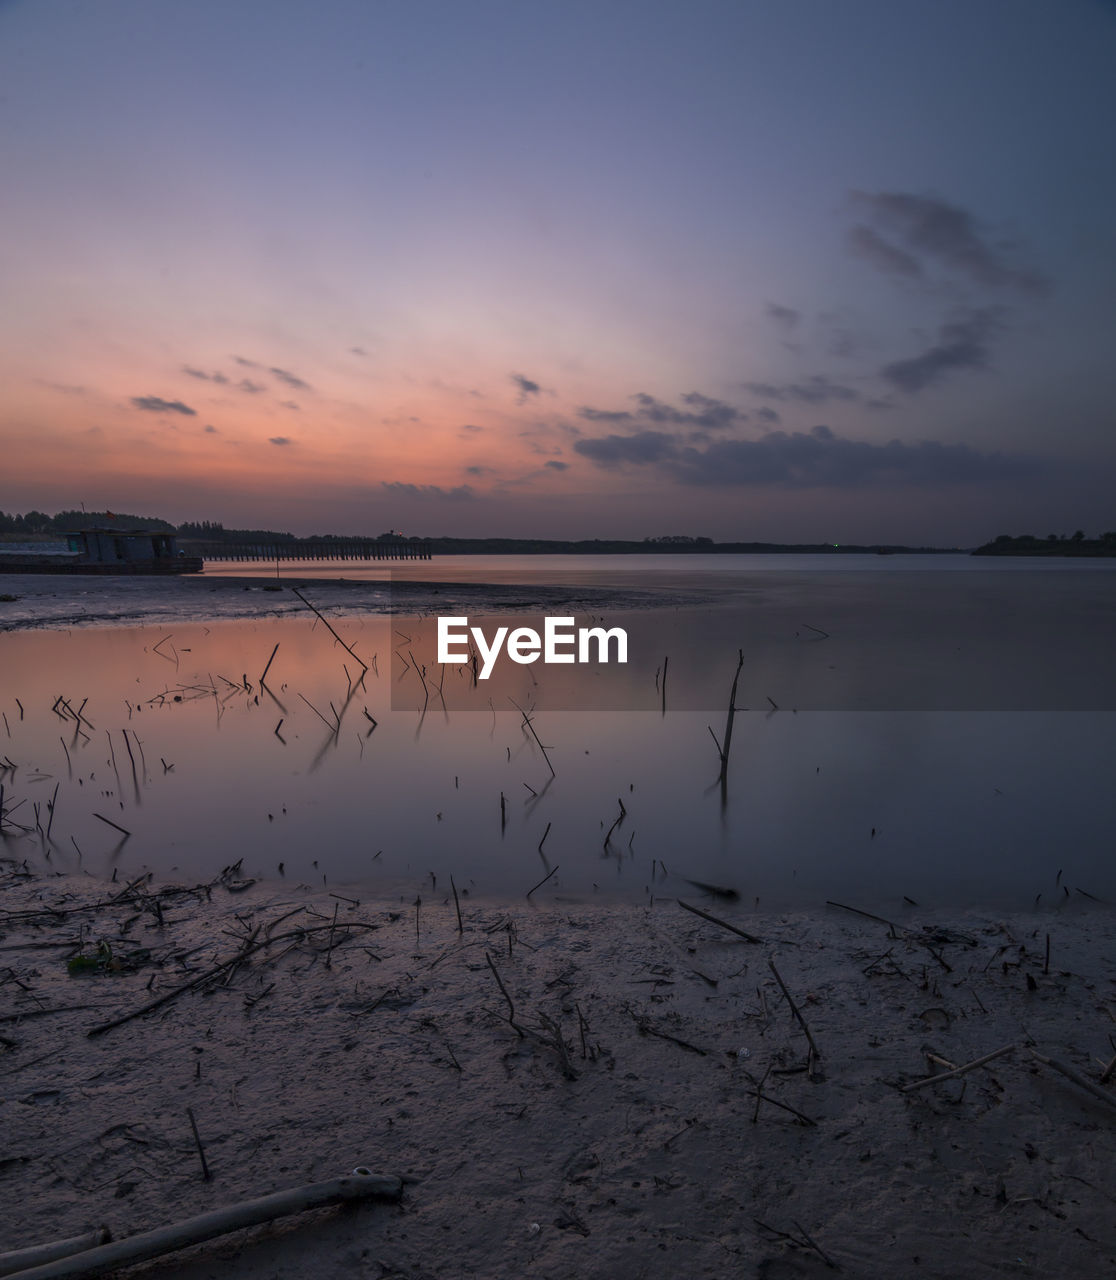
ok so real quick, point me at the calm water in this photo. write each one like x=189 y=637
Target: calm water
x=961 y=711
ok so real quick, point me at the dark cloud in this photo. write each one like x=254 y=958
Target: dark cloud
x=358 y=351
x=816 y=389
x=702 y=412
x=252 y=388
x=400 y=489
x=290 y=404
x=284 y=375
x=211 y=430
x=768 y=415
x=785 y=318
x=248 y=364
x=156 y=404
x=471 y=426
x=281 y=440
x=873 y=248
x=802 y=460
x=477 y=470
x=526 y=387
x=206 y=377
x=641 y=448
x=555 y=465
x=962 y=344
x=945 y=233
x=604 y=415
x=821 y=459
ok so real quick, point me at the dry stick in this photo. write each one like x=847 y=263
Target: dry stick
x=329 y=945
x=269 y=662
x=110 y=823
x=958 y=1071
x=608 y=834
x=794 y=1008
x=53 y=800
x=666 y=661
x=206 y=1175
x=645 y=1028
x=332 y=728
x=457 y=904
x=503 y=813
x=542 y=881
x=215 y=972
x=69 y=762
x=527 y=722
x=834 y=1266
x=766 y=1097
x=152 y=1244
x=866 y=914
x=759 y=1094
x=328 y=627
x=544 y=836
x=1081 y=1081
x=1106 y=1074
x=135 y=778
x=731 y=717
x=716 y=920
x=143 y=758
x=504 y=990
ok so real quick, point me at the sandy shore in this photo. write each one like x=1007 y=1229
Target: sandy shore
x=617 y=1133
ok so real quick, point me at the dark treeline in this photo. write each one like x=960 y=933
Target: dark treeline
x=683 y=546
x=1077 y=544
x=36 y=523
x=214 y=531
x=39 y=524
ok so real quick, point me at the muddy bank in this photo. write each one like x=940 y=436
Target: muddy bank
x=568 y=1089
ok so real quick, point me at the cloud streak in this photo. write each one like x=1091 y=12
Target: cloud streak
x=803 y=460
x=927 y=230
x=219 y=378
x=702 y=413
x=527 y=387
x=428 y=492
x=816 y=389
x=962 y=344
x=156 y=404
x=285 y=375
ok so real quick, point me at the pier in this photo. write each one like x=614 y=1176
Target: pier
x=314 y=549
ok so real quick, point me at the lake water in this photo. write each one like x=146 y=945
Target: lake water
x=935 y=728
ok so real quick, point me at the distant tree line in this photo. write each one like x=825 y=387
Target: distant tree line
x=36 y=523
x=1076 y=544
x=215 y=531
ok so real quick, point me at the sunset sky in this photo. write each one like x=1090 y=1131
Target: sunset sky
x=791 y=271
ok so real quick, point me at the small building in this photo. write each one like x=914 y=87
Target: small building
x=139 y=547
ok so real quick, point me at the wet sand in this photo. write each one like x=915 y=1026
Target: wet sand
x=372 y=1032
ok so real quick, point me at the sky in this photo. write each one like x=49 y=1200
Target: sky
x=624 y=268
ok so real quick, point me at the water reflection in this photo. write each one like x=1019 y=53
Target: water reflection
x=169 y=735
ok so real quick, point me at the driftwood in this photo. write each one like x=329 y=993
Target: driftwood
x=21 y=1259
x=748 y=937
x=1083 y=1082
x=958 y=1071
x=152 y=1244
